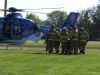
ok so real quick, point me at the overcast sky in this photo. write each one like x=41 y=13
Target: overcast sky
x=70 y=5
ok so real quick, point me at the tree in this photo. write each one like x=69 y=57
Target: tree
x=34 y=18
x=84 y=19
x=95 y=26
x=57 y=18
x=90 y=20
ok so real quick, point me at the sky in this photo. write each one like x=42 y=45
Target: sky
x=69 y=5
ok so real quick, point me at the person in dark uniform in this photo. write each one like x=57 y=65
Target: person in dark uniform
x=74 y=41
x=57 y=40
x=84 y=37
x=46 y=41
x=52 y=36
x=64 y=39
x=70 y=51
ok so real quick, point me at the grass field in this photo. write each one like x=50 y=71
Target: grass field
x=34 y=61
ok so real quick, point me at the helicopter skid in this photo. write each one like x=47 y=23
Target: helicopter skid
x=13 y=41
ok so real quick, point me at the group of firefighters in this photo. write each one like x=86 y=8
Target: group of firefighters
x=70 y=39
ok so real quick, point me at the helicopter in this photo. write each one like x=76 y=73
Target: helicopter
x=14 y=29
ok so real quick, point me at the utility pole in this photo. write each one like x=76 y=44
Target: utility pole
x=5 y=7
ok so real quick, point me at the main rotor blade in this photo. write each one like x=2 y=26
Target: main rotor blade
x=43 y=8
x=8 y=10
x=12 y=9
x=39 y=12
x=4 y=9
x=34 y=12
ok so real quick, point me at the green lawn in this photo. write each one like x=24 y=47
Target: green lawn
x=93 y=44
x=34 y=61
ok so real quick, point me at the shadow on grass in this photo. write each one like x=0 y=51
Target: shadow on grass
x=51 y=53
x=45 y=53
x=39 y=53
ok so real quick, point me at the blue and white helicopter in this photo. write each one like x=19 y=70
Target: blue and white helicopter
x=16 y=29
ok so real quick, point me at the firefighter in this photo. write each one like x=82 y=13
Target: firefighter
x=84 y=37
x=70 y=51
x=57 y=40
x=52 y=36
x=64 y=39
x=74 y=41
x=46 y=41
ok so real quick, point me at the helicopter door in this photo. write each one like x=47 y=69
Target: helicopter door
x=7 y=30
